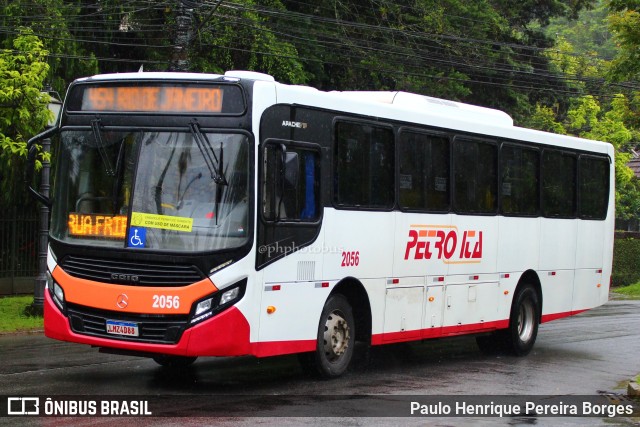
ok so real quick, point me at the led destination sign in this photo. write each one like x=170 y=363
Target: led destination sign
x=156 y=98
x=115 y=226
x=92 y=225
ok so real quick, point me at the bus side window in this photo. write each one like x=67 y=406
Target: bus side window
x=519 y=180
x=291 y=183
x=424 y=172
x=364 y=166
x=594 y=187
x=559 y=174
x=475 y=176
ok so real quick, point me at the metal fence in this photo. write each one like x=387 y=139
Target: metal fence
x=18 y=251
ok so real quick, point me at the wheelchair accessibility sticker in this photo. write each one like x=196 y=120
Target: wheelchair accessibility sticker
x=137 y=237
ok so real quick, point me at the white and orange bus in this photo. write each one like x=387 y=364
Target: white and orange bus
x=223 y=215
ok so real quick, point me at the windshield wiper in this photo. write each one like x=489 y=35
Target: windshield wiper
x=213 y=163
x=97 y=134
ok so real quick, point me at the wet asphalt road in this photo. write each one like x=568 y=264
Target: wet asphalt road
x=589 y=354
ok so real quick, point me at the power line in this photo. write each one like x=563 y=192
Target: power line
x=489 y=63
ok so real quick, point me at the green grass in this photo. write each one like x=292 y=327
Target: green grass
x=15 y=314
x=631 y=290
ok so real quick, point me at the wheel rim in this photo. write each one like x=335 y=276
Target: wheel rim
x=526 y=320
x=336 y=336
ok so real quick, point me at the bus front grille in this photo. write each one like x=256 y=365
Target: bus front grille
x=159 y=329
x=131 y=272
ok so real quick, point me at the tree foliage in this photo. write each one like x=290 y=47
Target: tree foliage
x=23 y=107
x=624 y=21
x=531 y=58
x=588 y=119
x=241 y=40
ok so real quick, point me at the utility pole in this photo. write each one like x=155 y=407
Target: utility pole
x=184 y=29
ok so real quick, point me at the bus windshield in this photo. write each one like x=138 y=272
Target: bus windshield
x=152 y=190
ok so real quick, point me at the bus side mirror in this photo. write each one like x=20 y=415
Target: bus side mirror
x=32 y=154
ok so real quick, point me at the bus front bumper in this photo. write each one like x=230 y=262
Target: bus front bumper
x=226 y=334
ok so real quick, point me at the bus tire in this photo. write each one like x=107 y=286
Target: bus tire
x=335 y=342
x=169 y=361
x=523 y=321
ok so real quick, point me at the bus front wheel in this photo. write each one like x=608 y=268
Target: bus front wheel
x=335 y=342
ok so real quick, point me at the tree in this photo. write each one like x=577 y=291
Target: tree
x=624 y=21
x=51 y=21
x=23 y=109
x=587 y=119
x=610 y=126
x=240 y=39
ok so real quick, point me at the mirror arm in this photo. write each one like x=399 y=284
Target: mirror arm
x=39 y=197
x=30 y=167
x=42 y=135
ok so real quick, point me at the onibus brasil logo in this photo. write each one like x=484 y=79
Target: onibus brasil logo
x=444 y=242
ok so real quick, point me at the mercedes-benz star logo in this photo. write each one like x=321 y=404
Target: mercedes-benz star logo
x=122 y=301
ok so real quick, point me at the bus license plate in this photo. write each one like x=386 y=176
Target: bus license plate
x=115 y=327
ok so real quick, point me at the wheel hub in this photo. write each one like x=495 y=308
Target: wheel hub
x=336 y=336
x=526 y=321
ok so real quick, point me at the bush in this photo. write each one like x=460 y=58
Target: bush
x=626 y=261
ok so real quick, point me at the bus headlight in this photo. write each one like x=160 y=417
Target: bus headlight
x=58 y=295
x=203 y=306
x=215 y=303
x=229 y=296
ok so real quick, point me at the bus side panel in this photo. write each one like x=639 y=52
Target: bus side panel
x=477 y=246
x=557 y=262
x=519 y=244
x=292 y=298
x=416 y=262
x=589 y=289
x=416 y=237
x=558 y=244
x=360 y=245
x=289 y=317
x=470 y=305
x=557 y=286
x=518 y=251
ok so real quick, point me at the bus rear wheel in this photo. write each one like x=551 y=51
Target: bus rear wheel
x=518 y=339
x=523 y=321
x=335 y=341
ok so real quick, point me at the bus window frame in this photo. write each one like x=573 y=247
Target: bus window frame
x=428 y=132
x=573 y=153
x=303 y=145
x=457 y=138
x=526 y=146
x=333 y=163
x=602 y=157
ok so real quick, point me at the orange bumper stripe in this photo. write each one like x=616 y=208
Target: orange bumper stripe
x=139 y=299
